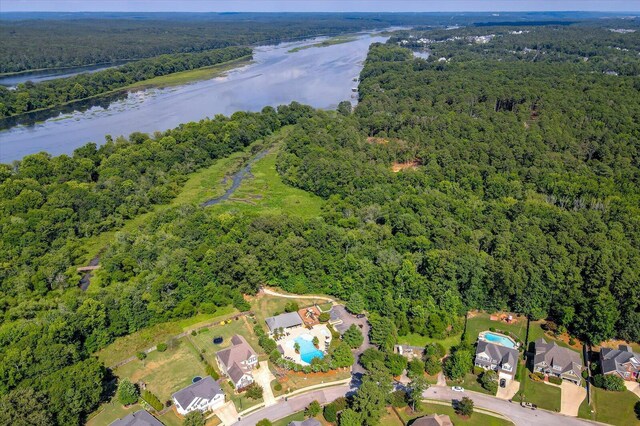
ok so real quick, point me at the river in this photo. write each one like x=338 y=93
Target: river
x=50 y=74
x=319 y=76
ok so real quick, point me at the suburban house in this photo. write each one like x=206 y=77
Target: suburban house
x=557 y=361
x=139 y=418
x=433 y=420
x=237 y=361
x=284 y=321
x=622 y=361
x=306 y=422
x=203 y=395
x=498 y=358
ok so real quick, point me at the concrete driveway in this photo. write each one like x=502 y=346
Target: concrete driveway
x=571 y=396
x=633 y=387
x=509 y=391
x=264 y=377
x=227 y=414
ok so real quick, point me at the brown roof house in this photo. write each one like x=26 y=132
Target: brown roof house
x=237 y=362
x=203 y=395
x=622 y=361
x=433 y=420
x=139 y=418
x=557 y=361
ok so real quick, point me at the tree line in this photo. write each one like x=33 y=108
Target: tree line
x=47 y=94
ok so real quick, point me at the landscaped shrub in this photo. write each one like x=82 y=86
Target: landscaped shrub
x=572 y=341
x=141 y=355
x=478 y=370
x=492 y=329
x=254 y=391
x=267 y=343
x=399 y=398
x=555 y=380
x=161 y=347
x=609 y=382
x=313 y=409
x=324 y=317
x=152 y=400
x=291 y=307
x=193 y=332
x=330 y=413
x=127 y=392
x=489 y=381
x=585 y=374
x=277 y=387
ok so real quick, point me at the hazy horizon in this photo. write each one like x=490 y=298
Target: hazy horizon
x=614 y=6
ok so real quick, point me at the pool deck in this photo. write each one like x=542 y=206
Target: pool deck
x=481 y=336
x=287 y=343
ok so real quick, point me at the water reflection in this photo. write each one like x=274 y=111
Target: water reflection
x=321 y=77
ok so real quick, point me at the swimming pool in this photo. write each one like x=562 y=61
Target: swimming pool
x=498 y=339
x=307 y=350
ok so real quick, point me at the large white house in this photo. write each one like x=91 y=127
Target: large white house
x=237 y=362
x=204 y=395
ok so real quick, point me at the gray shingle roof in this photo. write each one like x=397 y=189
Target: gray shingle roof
x=565 y=360
x=207 y=388
x=307 y=422
x=613 y=359
x=433 y=420
x=139 y=418
x=499 y=355
x=290 y=319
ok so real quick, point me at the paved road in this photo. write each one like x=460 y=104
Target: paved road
x=294 y=404
x=517 y=414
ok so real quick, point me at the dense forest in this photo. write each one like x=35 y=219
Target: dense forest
x=487 y=181
x=34 y=96
x=49 y=40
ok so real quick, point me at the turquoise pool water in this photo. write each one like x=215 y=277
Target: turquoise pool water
x=499 y=340
x=307 y=350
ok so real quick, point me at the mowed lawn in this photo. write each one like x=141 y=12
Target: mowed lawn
x=203 y=341
x=413 y=339
x=265 y=192
x=541 y=394
x=616 y=408
x=476 y=419
x=265 y=305
x=127 y=346
x=111 y=411
x=167 y=372
x=480 y=321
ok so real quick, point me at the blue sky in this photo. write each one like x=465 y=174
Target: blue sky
x=317 y=6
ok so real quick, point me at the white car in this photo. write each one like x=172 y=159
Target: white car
x=457 y=388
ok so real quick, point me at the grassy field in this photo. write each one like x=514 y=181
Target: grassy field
x=167 y=372
x=329 y=42
x=414 y=339
x=480 y=321
x=541 y=394
x=265 y=192
x=293 y=381
x=479 y=419
x=109 y=412
x=127 y=346
x=615 y=408
x=265 y=305
x=470 y=382
x=190 y=76
x=203 y=341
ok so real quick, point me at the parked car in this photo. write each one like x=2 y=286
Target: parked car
x=457 y=388
x=503 y=383
x=529 y=405
x=360 y=316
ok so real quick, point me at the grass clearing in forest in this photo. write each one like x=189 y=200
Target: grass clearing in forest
x=167 y=372
x=127 y=346
x=264 y=192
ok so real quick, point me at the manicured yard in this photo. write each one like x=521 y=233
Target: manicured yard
x=541 y=394
x=110 y=412
x=203 y=341
x=480 y=321
x=479 y=419
x=615 y=408
x=239 y=400
x=127 y=346
x=470 y=382
x=536 y=331
x=165 y=372
x=413 y=339
x=265 y=305
x=170 y=418
x=293 y=381
x=299 y=416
